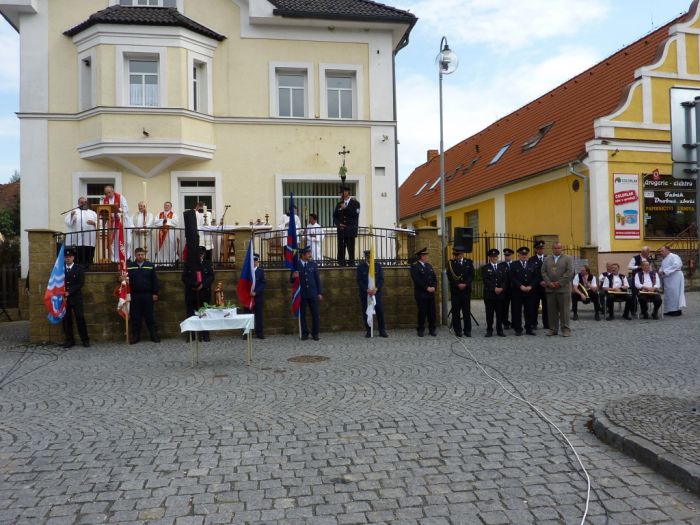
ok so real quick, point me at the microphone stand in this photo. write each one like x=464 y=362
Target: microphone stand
x=68 y=211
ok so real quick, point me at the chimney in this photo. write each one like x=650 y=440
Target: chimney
x=432 y=153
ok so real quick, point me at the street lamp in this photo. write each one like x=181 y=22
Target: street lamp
x=447 y=63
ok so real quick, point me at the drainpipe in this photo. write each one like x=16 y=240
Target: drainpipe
x=586 y=202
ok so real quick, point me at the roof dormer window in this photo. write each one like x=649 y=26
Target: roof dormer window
x=500 y=153
x=422 y=188
x=535 y=140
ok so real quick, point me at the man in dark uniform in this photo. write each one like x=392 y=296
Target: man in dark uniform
x=259 y=293
x=507 y=293
x=346 y=217
x=524 y=276
x=495 y=278
x=143 y=283
x=460 y=274
x=198 y=281
x=424 y=284
x=75 y=278
x=310 y=291
x=540 y=289
x=362 y=274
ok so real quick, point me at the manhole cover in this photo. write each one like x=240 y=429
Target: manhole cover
x=307 y=359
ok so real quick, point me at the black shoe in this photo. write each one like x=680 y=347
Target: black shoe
x=315 y=338
x=304 y=337
x=609 y=318
x=627 y=317
x=467 y=334
x=645 y=316
x=501 y=334
x=433 y=333
x=507 y=325
x=530 y=332
x=489 y=334
x=458 y=334
x=155 y=339
x=69 y=344
x=383 y=334
x=86 y=344
x=575 y=316
x=519 y=333
x=368 y=334
x=420 y=334
x=655 y=315
x=597 y=316
x=134 y=340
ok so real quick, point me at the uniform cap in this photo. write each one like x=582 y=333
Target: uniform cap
x=458 y=249
x=508 y=251
x=305 y=249
x=421 y=252
x=367 y=253
x=523 y=249
x=69 y=251
x=539 y=244
x=493 y=252
x=256 y=256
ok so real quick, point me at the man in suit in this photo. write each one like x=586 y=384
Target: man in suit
x=540 y=295
x=198 y=280
x=524 y=276
x=362 y=274
x=424 y=285
x=460 y=274
x=495 y=278
x=346 y=218
x=310 y=291
x=557 y=272
x=259 y=294
x=507 y=294
x=75 y=278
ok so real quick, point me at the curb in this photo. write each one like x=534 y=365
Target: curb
x=670 y=465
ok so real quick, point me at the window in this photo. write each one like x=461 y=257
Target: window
x=669 y=206
x=314 y=197
x=471 y=220
x=500 y=153
x=533 y=141
x=143 y=82
x=434 y=184
x=291 y=89
x=152 y=3
x=94 y=191
x=195 y=190
x=200 y=84
x=86 y=86
x=422 y=188
x=340 y=95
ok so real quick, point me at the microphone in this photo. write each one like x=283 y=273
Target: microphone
x=227 y=206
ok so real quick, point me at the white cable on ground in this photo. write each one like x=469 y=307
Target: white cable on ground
x=543 y=416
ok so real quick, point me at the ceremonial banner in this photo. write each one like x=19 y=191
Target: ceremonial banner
x=371 y=280
x=291 y=256
x=54 y=297
x=626 y=206
x=246 y=282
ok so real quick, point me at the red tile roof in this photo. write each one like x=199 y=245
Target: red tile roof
x=571 y=108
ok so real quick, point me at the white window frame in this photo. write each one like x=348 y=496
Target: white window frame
x=126 y=53
x=82 y=178
x=87 y=100
x=356 y=71
x=160 y=4
x=176 y=192
x=204 y=83
x=304 y=67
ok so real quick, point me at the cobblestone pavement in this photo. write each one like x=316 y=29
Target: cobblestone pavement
x=398 y=430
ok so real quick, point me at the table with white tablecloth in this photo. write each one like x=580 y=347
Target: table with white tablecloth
x=245 y=322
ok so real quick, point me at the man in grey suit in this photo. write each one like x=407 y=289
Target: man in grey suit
x=557 y=272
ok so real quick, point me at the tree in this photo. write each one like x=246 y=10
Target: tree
x=15 y=177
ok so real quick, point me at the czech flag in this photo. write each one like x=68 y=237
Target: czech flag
x=246 y=282
x=54 y=297
x=291 y=256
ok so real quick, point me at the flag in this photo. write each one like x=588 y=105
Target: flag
x=371 y=284
x=246 y=282
x=123 y=291
x=291 y=256
x=54 y=297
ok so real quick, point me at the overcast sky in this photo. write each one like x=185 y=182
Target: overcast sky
x=510 y=53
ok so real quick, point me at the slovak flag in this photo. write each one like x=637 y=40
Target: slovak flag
x=54 y=297
x=246 y=282
x=291 y=256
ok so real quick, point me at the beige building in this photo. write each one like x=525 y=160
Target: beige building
x=236 y=102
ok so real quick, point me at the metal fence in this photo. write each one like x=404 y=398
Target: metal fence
x=685 y=245
x=392 y=247
x=99 y=250
x=9 y=287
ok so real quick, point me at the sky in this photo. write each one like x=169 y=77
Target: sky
x=509 y=54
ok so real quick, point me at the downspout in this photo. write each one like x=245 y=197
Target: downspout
x=396 y=142
x=586 y=202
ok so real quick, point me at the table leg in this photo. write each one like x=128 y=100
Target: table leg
x=191 y=350
x=249 y=352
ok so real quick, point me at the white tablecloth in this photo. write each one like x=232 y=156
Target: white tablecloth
x=245 y=322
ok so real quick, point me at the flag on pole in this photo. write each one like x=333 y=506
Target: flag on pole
x=123 y=291
x=246 y=282
x=54 y=297
x=371 y=284
x=291 y=256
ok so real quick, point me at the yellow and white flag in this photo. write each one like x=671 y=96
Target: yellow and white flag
x=371 y=284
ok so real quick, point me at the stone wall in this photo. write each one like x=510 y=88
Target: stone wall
x=340 y=309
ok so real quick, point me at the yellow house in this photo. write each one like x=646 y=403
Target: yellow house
x=229 y=102
x=588 y=163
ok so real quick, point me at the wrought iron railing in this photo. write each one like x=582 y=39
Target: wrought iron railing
x=685 y=245
x=9 y=286
x=392 y=247
x=98 y=249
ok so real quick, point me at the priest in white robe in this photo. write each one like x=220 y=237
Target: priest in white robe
x=121 y=216
x=141 y=236
x=166 y=244
x=671 y=272
x=81 y=225
x=314 y=238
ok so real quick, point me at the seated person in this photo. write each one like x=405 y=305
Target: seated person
x=585 y=280
x=603 y=294
x=648 y=284
x=617 y=289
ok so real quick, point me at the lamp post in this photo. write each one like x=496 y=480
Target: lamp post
x=447 y=63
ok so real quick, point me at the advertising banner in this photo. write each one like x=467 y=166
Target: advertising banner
x=626 y=206
x=669 y=204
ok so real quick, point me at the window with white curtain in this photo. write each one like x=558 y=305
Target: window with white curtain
x=143 y=82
